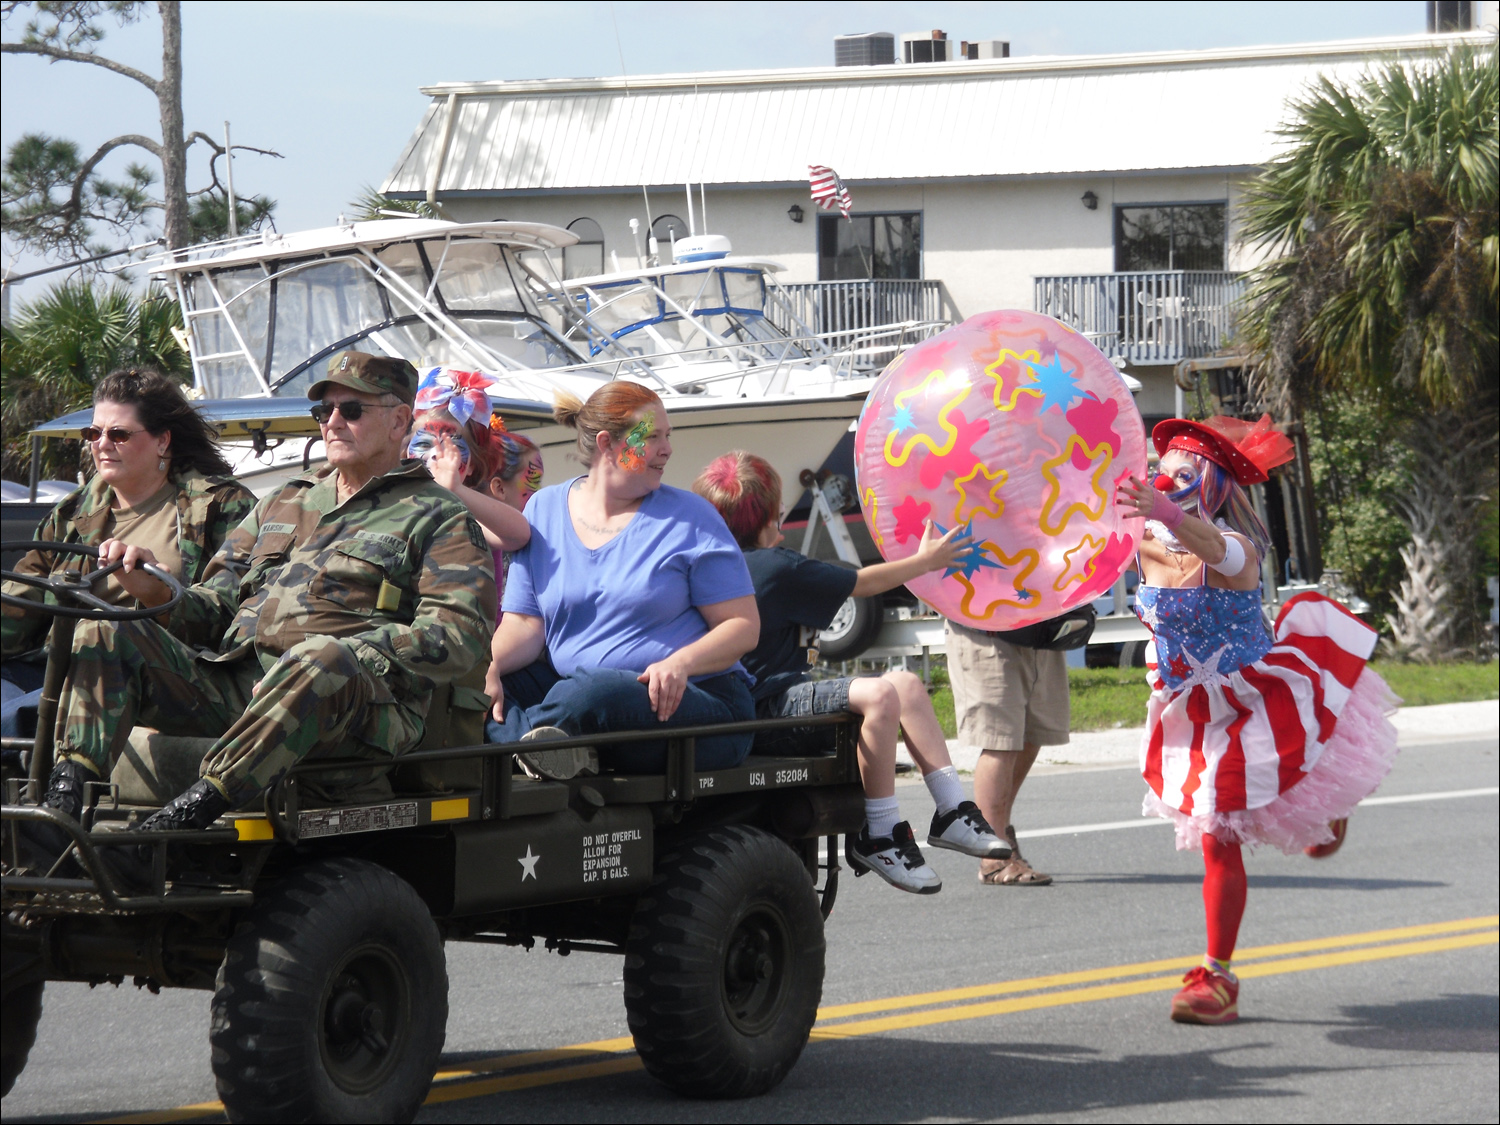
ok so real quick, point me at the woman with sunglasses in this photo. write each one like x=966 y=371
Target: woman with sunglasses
x=159 y=481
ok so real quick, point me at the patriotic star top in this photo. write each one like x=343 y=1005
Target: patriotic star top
x=1239 y=717
x=1203 y=633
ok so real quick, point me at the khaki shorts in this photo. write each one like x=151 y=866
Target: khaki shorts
x=1005 y=696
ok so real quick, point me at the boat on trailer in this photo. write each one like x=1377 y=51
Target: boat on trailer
x=265 y=312
x=724 y=324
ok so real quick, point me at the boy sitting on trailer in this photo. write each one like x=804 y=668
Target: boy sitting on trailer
x=797 y=597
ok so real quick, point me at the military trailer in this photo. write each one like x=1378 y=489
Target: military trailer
x=318 y=921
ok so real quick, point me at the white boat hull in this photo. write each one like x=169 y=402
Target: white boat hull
x=793 y=434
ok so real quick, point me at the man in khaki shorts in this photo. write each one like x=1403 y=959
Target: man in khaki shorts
x=1010 y=701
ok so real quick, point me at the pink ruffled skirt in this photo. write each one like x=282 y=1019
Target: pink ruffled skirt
x=1273 y=751
x=1354 y=762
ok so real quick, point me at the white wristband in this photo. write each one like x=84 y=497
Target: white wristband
x=1234 y=558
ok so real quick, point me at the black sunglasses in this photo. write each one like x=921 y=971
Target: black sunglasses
x=117 y=434
x=352 y=410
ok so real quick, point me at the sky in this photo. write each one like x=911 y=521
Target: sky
x=335 y=87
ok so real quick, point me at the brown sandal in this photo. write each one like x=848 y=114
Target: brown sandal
x=1012 y=872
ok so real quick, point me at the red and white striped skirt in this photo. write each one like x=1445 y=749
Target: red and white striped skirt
x=1272 y=752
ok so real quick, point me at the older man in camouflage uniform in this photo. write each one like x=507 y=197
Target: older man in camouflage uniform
x=324 y=621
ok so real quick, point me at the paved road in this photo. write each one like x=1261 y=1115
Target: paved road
x=1386 y=1010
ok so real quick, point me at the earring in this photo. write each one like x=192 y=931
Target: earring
x=161 y=461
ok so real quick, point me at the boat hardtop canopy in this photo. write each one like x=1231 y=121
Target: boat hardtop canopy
x=652 y=273
x=320 y=241
x=263 y=313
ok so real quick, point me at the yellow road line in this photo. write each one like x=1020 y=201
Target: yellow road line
x=535 y=1058
x=1139 y=987
x=1054 y=980
x=1439 y=937
x=620 y=1064
x=181 y=1113
x=954 y=1014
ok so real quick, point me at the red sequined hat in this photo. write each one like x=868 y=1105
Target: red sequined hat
x=1248 y=451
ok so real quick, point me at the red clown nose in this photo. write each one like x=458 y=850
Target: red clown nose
x=1163 y=483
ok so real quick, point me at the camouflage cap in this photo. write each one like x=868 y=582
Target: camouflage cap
x=373 y=374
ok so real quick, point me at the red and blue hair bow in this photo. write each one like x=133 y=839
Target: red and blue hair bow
x=464 y=393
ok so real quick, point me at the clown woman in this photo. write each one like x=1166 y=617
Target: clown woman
x=1252 y=736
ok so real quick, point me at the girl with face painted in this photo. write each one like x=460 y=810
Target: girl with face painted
x=467 y=454
x=1252 y=737
x=498 y=506
x=631 y=605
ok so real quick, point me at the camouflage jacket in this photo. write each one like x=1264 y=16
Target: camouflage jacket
x=399 y=568
x=207 y=508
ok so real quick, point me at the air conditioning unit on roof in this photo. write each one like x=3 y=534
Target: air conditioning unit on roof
x=984 y=49
x=924 y=46
x=868 y=48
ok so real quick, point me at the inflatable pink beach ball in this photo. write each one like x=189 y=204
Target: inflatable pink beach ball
x=1015 y=427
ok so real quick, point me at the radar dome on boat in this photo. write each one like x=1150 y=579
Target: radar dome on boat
x=700 y=248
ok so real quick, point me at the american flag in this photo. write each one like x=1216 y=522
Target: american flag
x=828 y=191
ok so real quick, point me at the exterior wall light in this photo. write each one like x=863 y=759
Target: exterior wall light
x=794 y=212
x=1091 y=201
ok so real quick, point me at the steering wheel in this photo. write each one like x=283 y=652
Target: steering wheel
x=79 y=587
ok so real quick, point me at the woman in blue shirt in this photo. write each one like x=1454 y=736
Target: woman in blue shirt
x=631 y=605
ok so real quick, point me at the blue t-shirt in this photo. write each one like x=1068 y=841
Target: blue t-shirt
x=630 y=602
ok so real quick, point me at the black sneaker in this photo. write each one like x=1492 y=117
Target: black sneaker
x=964 y=829
x=896 y=859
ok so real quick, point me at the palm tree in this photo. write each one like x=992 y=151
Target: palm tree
x=1382 y=277
x=57 y=348
x=368 y=205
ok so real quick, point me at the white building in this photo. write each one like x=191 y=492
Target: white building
x=1102 y=189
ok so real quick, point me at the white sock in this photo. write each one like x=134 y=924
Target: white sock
x=946 y=789
x=882 y=815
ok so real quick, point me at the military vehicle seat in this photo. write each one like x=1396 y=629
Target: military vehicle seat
x=155 y=767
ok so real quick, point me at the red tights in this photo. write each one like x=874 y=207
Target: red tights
x=1223 y=895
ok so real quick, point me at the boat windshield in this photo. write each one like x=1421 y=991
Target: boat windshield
x=685 y=311
x=449 y=302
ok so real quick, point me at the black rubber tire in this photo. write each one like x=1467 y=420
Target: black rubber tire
x=724 y=964
x=20 y=1012
x=855 y=628
x=305 y=993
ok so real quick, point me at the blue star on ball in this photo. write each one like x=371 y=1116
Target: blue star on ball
x=901 y=419
x=1057 y=387
x=971 y=558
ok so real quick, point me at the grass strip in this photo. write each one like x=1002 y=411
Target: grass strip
x=1105 y=698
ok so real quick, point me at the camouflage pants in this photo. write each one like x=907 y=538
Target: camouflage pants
x=315 y=698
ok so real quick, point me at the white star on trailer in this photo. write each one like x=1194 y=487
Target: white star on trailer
x=528 y=864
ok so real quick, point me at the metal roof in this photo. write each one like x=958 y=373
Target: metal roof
x=1005 y=117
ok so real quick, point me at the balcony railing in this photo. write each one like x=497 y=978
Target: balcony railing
x=851 y=306
x=1151 y=316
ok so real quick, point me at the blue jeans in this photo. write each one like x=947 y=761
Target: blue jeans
x=599 y=700
x=20 y=692
x=810 y=697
